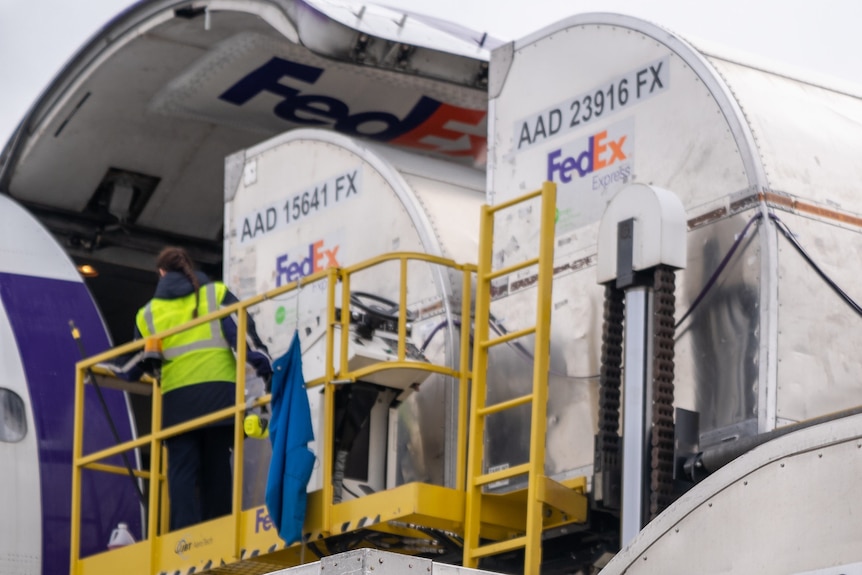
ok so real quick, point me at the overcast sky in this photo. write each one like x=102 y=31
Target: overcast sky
x=819 y=38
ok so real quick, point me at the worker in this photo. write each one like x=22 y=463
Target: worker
x=198 y=376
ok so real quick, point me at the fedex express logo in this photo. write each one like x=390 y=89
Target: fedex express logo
x=601 y=152
x=588 y=171
x=317 y=258
x=430 y=125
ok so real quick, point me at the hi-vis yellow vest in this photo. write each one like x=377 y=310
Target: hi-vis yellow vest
x=195 y=355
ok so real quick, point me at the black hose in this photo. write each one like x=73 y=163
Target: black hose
x=434 y=331
x=795 y=243
x=76 y=335
x=714 y=277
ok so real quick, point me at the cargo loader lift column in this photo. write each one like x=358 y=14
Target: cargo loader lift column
x=642 y=239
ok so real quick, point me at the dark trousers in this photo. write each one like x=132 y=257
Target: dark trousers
x=199 y=475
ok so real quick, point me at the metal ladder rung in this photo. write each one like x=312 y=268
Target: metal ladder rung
x=507 y=337
x=504 y=405
x=511 y=269
x=515 y=201
x=502 y=474
x=499 y=547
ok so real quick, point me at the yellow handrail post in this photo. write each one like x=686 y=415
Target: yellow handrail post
x=328 y=394
x=541 y=365
x=463 y=384
x=155 y=476
x=164 y=507
x=475 y=448
x=345 y=323
x=77 y=453
x=238 y=444
x=402 y=310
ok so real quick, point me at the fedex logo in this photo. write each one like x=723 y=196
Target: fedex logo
x=601 y=152
x=318 y=259
x=262 y=520
x=430 y=125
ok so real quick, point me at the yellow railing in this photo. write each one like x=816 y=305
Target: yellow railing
x=490 y=523
x=155 y=475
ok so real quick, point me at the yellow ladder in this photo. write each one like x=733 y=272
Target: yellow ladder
x=540 y=489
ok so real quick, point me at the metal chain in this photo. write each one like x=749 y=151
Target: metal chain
x=607 y=461
x=662 y=436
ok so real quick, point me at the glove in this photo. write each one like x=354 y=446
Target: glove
x=256 y=426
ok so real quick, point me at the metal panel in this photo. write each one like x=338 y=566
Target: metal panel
x=677 y=134
x=374 y=562
x=311 y=199
x=717 y=133
x=679 y=129
x=392 y=24
x=807 y=135
x=789 y=506
x=819 y=363
x=717 y=347
x=716 y=350
x=577 y=304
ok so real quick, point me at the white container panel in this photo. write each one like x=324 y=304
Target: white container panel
x=818 y=369
x=309 y=200
x=808 y=136
x=665 y=120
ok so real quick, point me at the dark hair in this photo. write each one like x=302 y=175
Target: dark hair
x=173 y=259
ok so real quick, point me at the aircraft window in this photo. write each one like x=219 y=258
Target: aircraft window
x=13 y=416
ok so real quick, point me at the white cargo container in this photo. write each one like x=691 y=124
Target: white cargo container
x=372 y=561
x=311 y=199
x=599 y=101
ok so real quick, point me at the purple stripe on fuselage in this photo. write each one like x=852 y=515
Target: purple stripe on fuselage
x=39 y=311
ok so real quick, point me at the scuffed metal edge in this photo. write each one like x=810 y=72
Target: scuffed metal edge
x=501 y=62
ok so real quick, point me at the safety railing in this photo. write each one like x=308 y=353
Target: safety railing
x=152 y=558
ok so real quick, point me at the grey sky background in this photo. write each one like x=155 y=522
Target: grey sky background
x=820 y=40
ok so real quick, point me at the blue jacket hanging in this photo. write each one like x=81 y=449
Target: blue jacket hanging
x=289 y=431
